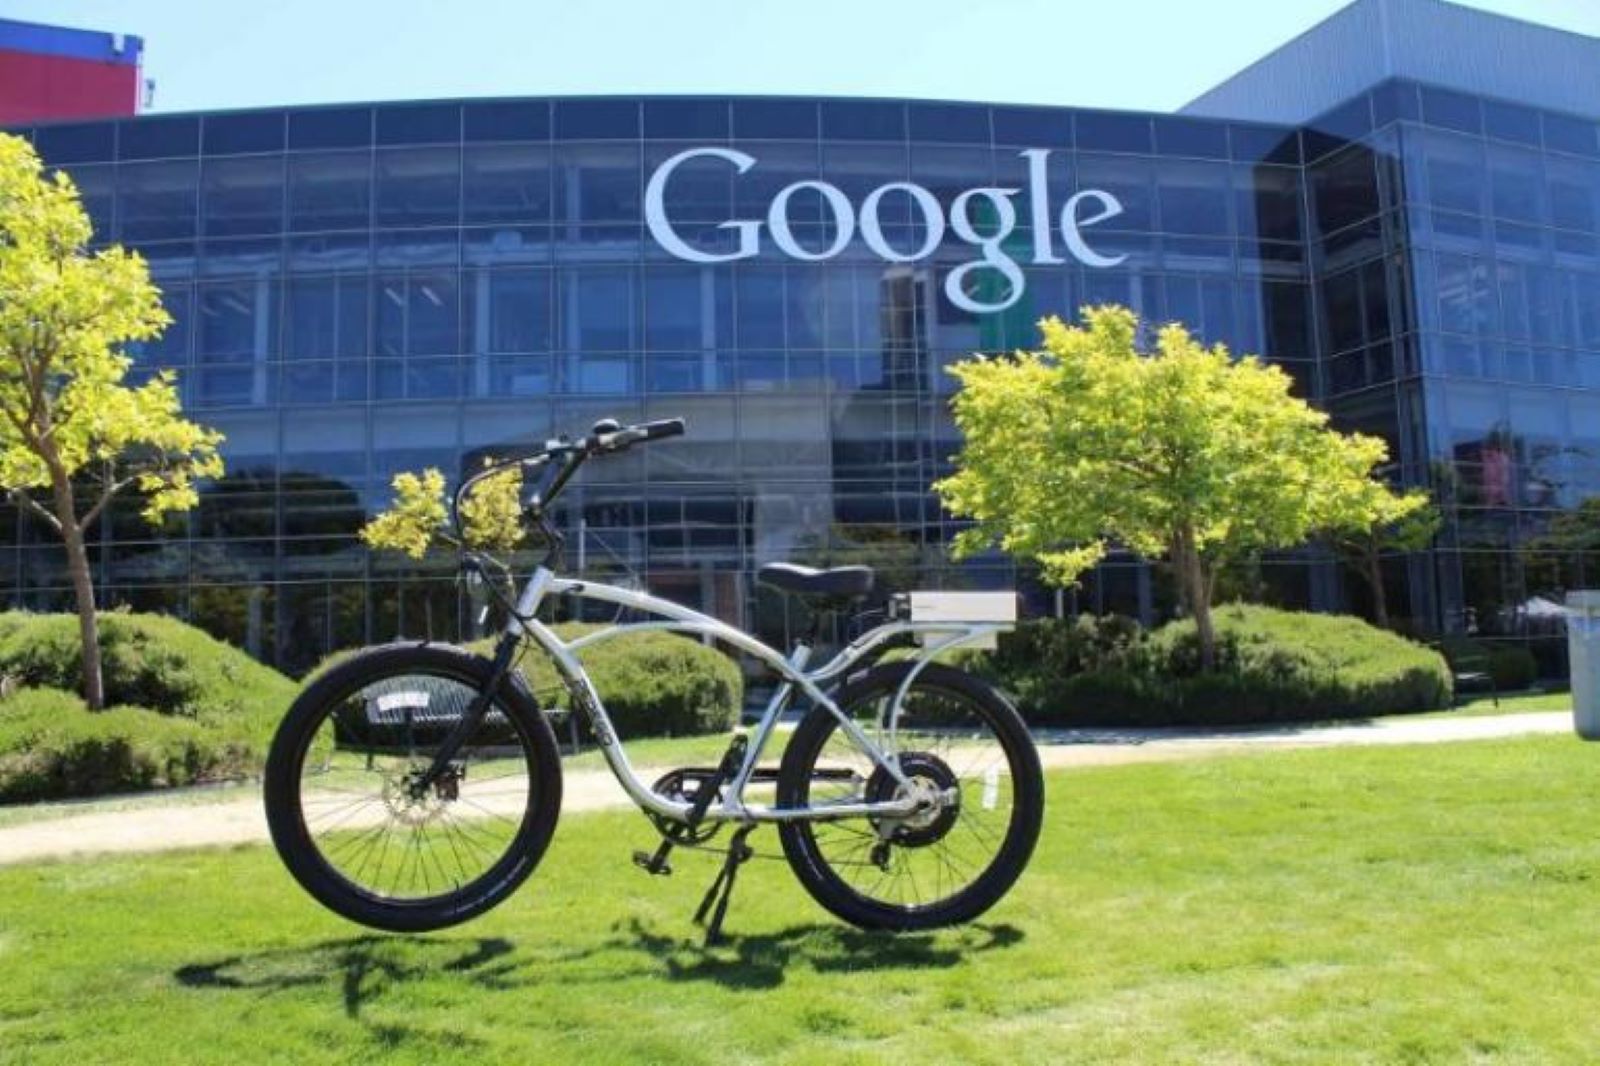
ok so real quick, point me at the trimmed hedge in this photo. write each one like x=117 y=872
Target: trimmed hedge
x=1272 y=666
x=652 y=683
x=53 y=747
x=185 y=707
x=150 y=661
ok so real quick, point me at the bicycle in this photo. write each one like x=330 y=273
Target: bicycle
x=415 y=785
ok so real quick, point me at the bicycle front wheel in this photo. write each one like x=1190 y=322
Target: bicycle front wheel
x=957 y=740
x=357 y=823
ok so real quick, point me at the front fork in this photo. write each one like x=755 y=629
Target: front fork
x=505 y=655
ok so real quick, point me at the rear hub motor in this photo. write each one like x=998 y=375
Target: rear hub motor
x=934 y=784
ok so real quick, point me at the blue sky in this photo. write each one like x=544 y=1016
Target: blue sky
x=1140 y=54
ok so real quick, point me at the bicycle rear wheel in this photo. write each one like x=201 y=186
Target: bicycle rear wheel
x=352 y=818
x=956 y=738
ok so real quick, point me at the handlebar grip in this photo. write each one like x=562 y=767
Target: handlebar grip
x=666 y=427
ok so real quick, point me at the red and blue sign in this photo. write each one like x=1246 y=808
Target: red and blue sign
x=51 y=72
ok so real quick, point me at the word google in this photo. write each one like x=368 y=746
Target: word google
x=1082 y=210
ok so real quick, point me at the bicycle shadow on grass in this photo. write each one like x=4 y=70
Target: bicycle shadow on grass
x=765 y=960
x=362 y=969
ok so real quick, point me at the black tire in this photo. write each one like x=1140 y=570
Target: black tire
x=324 y=710
x=936 y=686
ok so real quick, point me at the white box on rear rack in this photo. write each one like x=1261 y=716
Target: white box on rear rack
x=963 y=606
x=961 y=609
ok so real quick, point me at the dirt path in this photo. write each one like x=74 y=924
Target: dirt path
x=240 y=821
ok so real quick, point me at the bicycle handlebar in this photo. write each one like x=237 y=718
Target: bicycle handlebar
x=606 y=437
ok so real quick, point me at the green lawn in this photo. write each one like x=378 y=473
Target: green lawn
x=1514 y=703
x=1408 y=904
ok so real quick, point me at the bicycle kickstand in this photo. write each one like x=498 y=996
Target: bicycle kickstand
x=716 y=898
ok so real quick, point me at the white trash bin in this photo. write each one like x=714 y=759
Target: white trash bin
x=1583 y=647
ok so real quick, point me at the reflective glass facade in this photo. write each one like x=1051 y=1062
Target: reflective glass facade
x=362 y=290
x=1469 y=226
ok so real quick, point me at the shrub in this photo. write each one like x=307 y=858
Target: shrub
x=150 y=661
x=1272 y=666
x=653 y=683
x=186 y=708
x=53 y=747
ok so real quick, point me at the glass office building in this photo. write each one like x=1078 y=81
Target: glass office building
x=360 y=290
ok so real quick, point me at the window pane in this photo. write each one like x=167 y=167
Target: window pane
x=599 y=182
x=97 y=191
x=1113 y=132
x=325 y=317
x=1456 y=175
x=863 y=121
x=758 y=308
x=1346 y=190
x=434 y=320
x=1191 y=137
x=695 y=119
x=243 y=196
x=245 y=132
x=519 y=311
x=775 y=119
x=508 y=121
x=76 y=143
x=330 y=128
x=1126 y=178
x=417 y=314
x=1574 y=187
x=419 y=187
x=507 y=183
x=673 y=318
x=157 y=201
x=329 y=191
x=236 y=322
x=1517 y=184
x=171 y=348
x=157 y=138
x=1508 y=122
x=597 y=119
x=419 y=124
x=949 y=123
x=599 y=305
x=1194 y=198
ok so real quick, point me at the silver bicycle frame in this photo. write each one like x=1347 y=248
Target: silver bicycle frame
x=790 y=669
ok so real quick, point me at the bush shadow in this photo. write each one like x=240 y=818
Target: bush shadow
x=361 y=967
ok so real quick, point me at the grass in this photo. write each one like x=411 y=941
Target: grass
x=1512 y=703
x=1420 y=904
x=649 y=755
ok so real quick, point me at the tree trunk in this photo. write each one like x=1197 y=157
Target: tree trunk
x=1380 y=602
x=1202 y=621
x=83 y=591
x=1196 y=586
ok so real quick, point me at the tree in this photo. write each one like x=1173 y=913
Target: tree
x=74 y=433
x=1181 y=453
x=1386 y=521
x=491 y=515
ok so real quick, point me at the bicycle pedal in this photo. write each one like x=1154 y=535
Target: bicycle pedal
x=647 y=862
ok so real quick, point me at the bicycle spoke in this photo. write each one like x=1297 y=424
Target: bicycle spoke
x=924 y=859
x=383 y=827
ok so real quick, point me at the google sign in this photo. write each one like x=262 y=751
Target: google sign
x=1082 y=210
